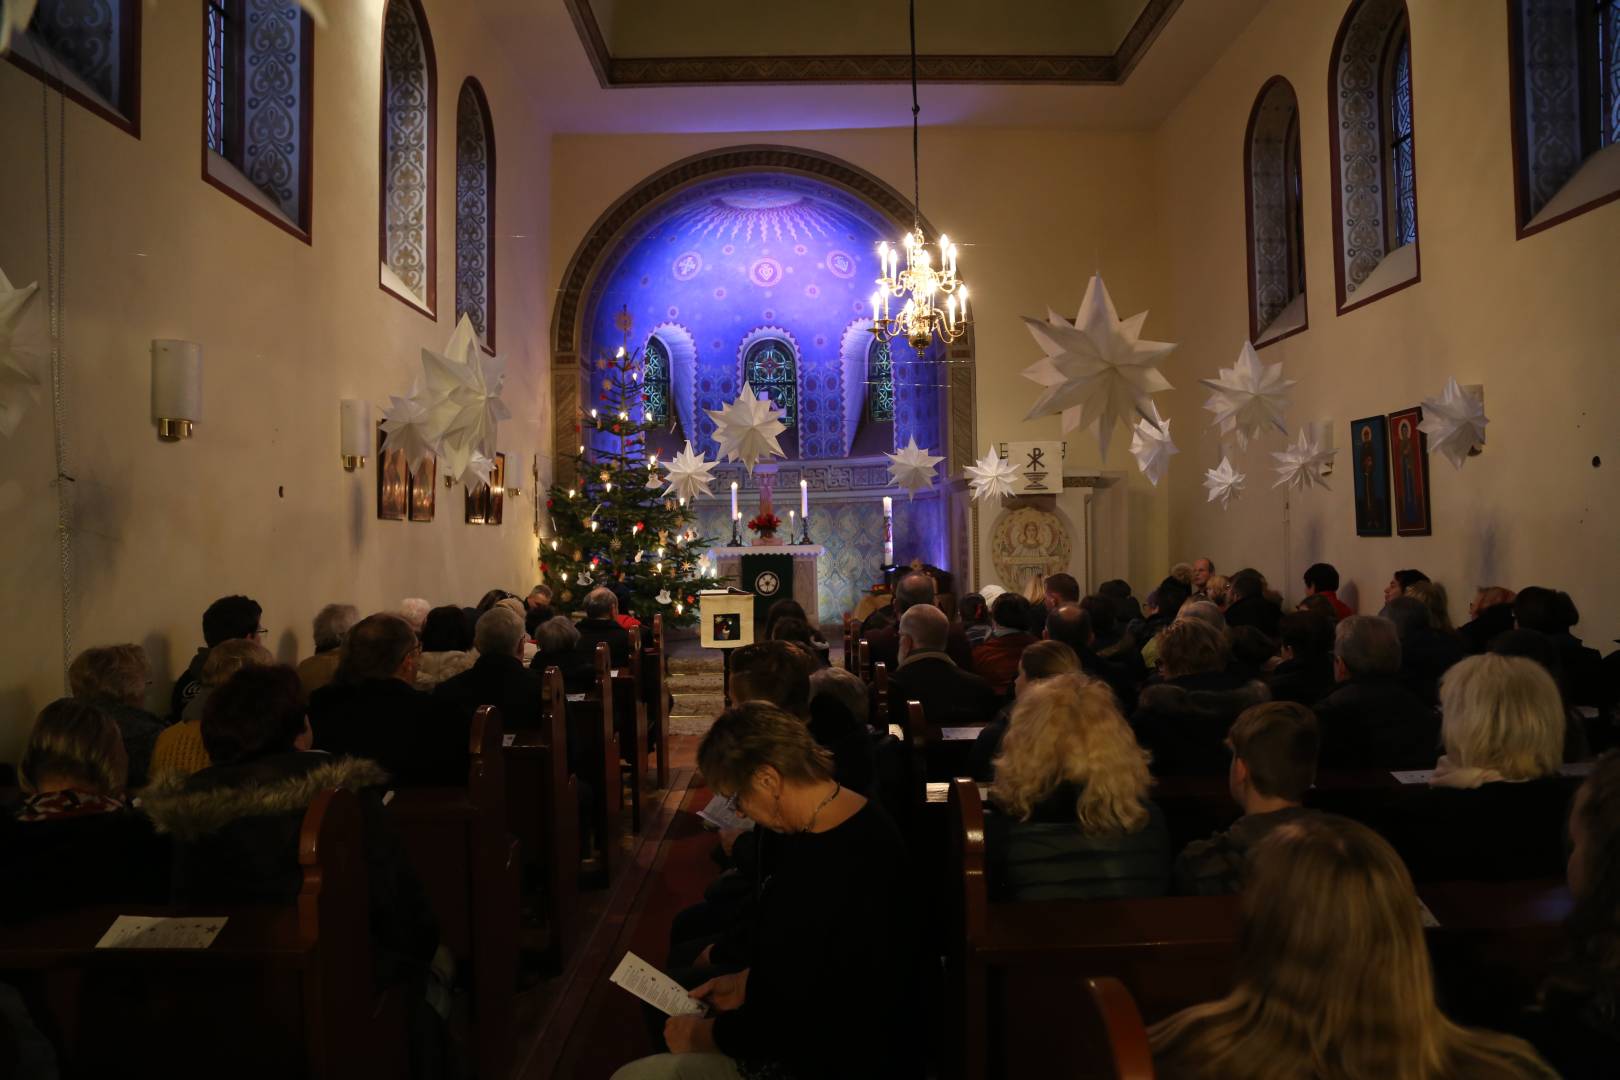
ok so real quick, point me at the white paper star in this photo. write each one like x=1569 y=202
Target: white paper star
x=1151 y=446
x=1097 y=371
x=912 y=468
x=405 y=429
x=1248 y=396
x=746 y=430
x=1454 y=422
x=991 y=477
x=22 y=354
x=1224 y=482
x=1300 y=465
x=14 y=18
x=461 y=398
x=476 y=473
x=689 y=474
x=664 y=598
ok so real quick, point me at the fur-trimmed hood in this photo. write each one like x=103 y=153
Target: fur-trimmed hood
x=190 y=807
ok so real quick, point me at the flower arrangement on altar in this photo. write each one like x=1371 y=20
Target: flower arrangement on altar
x=765 y=524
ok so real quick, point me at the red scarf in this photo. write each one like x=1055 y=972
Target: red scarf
x=54 y=805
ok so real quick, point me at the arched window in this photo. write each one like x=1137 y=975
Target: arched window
x=409 y=144
x=257 y=107
x=770 y=368
x=1274 y=203
x=879 y=383
x=475 y=211
x=1565 y=64
x=91 y=51
x=1372 y=135
x=655 y=381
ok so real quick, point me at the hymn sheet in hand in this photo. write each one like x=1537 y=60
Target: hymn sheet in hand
x=720 y=814
x=654 y=987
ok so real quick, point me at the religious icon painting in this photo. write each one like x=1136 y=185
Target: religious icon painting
x=1369 y=445
x=393 y=482
x=486 y=505
x=422 y=494
x=1409 y=466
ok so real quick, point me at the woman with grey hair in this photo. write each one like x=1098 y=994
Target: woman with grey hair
x=558 y=639
x=332 y=624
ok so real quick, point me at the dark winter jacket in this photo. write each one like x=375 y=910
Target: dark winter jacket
x=140 y=730
x=1255 y=611
x=1304 y=681
x=187 y=685
x=1214 y=866
x=1375 y=722
x=1183 y=722
x=1049 y=858
x=501 y=681
x=418 y=740
x=58 y=863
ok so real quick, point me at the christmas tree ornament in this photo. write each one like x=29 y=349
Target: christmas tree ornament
x=747 y=429
x=991 y=477
x=23 y=350
x=1224 y=482
x=1151 y=446
x=1248 y=397
x=689 y=474
x=664 y=598
x=1300 y=465
x=1098 y=370
x=912 y=468
x=1454 y=422
x=585 y=577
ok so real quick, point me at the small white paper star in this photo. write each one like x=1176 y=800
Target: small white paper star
x=21 y=358
x=912 y=468
x=991 y=477
x=1300 y=466
x=1151 y=446
x=746 y=430
x=1098 y=370
x=476 y=472
x=1248 y=396
x=405 y=429
x=1224 y=482
x=689 y=474
x=1454 y=422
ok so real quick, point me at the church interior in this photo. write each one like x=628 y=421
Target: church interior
x=914 y=538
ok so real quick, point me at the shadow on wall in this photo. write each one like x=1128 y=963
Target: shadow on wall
x=287 y=648
x=1488 y=555
x=159 y=656
x=17 y=712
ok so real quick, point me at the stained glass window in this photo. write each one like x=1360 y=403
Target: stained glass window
x=879 y=383
x=655 y=381
x=1403 y=177
x=1607 y=24
x=770 y=368
x=88 y=49
x=475 y=212
x=223 y=26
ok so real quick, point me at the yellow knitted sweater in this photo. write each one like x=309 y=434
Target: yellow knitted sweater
x=180 y=750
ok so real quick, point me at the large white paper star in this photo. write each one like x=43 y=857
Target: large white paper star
x=461 y=399
x=1454 y=422
x=1301 y=464
x=912 y=468
x=746 y=430
x=689 y=474
x=1248 y=396
x=1097 y=371
x=405 y=429
x=991 y=477
x=14 y=18
x=1151 y=446
x=22 y=354
x=1224 y=482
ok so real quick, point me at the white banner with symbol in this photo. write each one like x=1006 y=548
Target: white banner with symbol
x=1039 y=466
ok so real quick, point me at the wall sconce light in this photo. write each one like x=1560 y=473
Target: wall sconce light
x=354 y=435
x=176 y=388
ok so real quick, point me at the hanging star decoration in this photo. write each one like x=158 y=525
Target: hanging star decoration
x=1248 y=396
x=746 y=430
x=1454 y=422
x=22 y=354
x=405 y=429
x=1300 y=465
x=912 y=468
x=991 y=477
x=1224 y=482
x=453 y=411
x=689 y=474
x=14 y=18
x=1097 y=371
x=1151 y=445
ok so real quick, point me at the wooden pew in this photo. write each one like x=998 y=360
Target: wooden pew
x=457 y=840
x=655 y=687
x=1110 y=1022
x=1015 y=968
x=939 y=752
x=880 y=687
x=630 y=716
x=591 y=719
x=863 y=661
x=542 y=809
x=283 y=990
x=851 y=628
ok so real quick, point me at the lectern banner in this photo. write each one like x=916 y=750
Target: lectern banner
x=726 y=619
x=769 y=578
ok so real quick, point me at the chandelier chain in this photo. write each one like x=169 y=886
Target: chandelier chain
x=916 y=111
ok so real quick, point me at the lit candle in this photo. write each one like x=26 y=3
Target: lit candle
x=804 y=498
x=791 y=518
x=593 y=520
x=875 y=307
x=620 y=353
x=962 y=295
x=888 y=506
x=554 y=545
x=734 y=499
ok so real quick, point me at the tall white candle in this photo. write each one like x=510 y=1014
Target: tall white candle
x=804 y=498
x=888 y=507
x=734 y=499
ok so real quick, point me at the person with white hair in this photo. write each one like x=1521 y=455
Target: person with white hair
x=498 y=676
x=331 y=626
x=414 y=610
x=950 y=697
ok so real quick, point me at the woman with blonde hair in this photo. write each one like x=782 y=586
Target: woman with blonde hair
x=1333 y=977
x=1071 y=788
x=1494 y=809
x=180 y=747
x=1432 y=595
x=116 y=677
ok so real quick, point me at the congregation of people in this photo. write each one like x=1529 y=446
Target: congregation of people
x=1083 y=706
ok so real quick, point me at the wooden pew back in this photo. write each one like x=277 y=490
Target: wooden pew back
x=655 y=689
x=542 y=807
x=630 y=716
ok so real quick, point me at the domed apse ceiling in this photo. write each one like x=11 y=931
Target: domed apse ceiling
x=773 y=272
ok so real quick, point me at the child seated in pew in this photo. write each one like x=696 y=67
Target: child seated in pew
x=1274 y=749
x=1042 y=660
x=1333 y=976
x=1495 y=807
x=1575 y=1023
x=1074 y=819
x=75 y=840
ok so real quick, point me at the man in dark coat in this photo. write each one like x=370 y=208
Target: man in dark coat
x=1183 y=721
x=927 y=673
x=1071 y=624
x=601 y=624
x=883 y=643
x=498 y=677
x=1372 y=720
x=1427 y=653
x=1306 y=672
x=1249 y=605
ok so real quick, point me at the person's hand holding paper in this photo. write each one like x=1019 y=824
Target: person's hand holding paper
x=723 y=992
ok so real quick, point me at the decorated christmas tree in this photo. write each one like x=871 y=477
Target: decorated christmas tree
x=621 y=524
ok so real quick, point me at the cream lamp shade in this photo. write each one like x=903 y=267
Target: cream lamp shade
x=354 y=436
x=176 y=387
